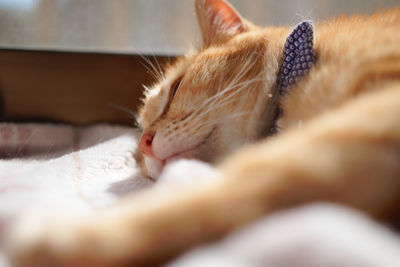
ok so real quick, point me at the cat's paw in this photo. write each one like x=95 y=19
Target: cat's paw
x=188 y=172
x=48 y=241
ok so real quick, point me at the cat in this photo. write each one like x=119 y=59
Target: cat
x=328 y=133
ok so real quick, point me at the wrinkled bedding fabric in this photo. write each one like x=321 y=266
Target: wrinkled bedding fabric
x=46 y=167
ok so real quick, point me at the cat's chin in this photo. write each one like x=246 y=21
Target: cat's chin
x=154 y=166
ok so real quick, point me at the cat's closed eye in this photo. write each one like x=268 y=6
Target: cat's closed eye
x=174 y=88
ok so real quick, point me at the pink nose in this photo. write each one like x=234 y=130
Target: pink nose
x=146 y=144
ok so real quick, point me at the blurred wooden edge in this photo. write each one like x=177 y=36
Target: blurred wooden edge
x=76 y=88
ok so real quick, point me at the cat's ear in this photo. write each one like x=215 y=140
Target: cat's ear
x=298 y=55
x=218 y=21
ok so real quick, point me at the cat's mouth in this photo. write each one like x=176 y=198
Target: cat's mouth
x=191 y=152
x=155 y=165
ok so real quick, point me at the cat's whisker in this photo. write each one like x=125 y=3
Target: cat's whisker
x=235 y=80
x=240 y=87
x=230 y=88
x=226 y=101
x=146 y=87
x=156 y=72
x=225 y=118
x=212 y=100
x=205 y=125
x=159 y=69
x=149 y=71
x=246 y=67
x=130 y=112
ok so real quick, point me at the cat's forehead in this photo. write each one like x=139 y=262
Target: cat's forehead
x=237 y=48
x=214 y=59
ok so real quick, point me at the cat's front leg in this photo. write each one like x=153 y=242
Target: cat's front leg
x=350 y=155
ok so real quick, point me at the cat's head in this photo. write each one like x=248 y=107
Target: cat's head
x=212 y=100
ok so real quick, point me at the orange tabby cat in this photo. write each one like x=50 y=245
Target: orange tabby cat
x=338 y=140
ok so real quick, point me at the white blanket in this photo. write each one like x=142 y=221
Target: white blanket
x=84 y=169
x=52 y=166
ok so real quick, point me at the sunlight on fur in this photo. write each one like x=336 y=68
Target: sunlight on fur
x=337 y=140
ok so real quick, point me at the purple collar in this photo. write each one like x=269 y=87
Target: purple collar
x=298 y=58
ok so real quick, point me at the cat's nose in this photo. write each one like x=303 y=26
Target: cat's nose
x=146 y=144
